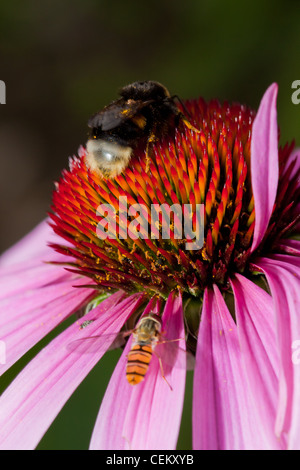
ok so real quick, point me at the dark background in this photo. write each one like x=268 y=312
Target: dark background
x=64 y=60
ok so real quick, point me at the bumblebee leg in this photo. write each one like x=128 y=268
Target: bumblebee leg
x=189 y=125
x=151 y=139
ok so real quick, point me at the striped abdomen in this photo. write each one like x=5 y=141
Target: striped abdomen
x=138 y=361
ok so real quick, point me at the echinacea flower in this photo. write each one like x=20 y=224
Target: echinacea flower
x=233 y=302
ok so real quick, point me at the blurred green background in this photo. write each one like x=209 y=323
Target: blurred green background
x=64 y=60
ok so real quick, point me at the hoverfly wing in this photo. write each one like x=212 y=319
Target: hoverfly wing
x=92 y=344
x=173 y=355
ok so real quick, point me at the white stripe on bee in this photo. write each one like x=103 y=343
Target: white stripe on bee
x=107 y=158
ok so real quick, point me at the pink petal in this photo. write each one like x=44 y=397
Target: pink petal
x=32 y=246
x=295 y=159
x=291 y=247
x=223 y=417
x=35 y=397
x=283 y=275
x=34 y=296
x=30 y=276
x=26 y=265
x=257 y=337
x=30 y=315
x=147 y=415
x=264 y=162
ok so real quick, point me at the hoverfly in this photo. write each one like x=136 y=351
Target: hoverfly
x=148 y=339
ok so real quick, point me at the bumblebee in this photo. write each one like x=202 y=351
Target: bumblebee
x=145 y=113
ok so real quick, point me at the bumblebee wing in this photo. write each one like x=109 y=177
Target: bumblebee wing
x=116 y=113
x=92 y=344
x=107 y=119
x=172 y=354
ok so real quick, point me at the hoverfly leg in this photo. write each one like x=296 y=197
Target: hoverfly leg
x=128 y=442
x=162 y=370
